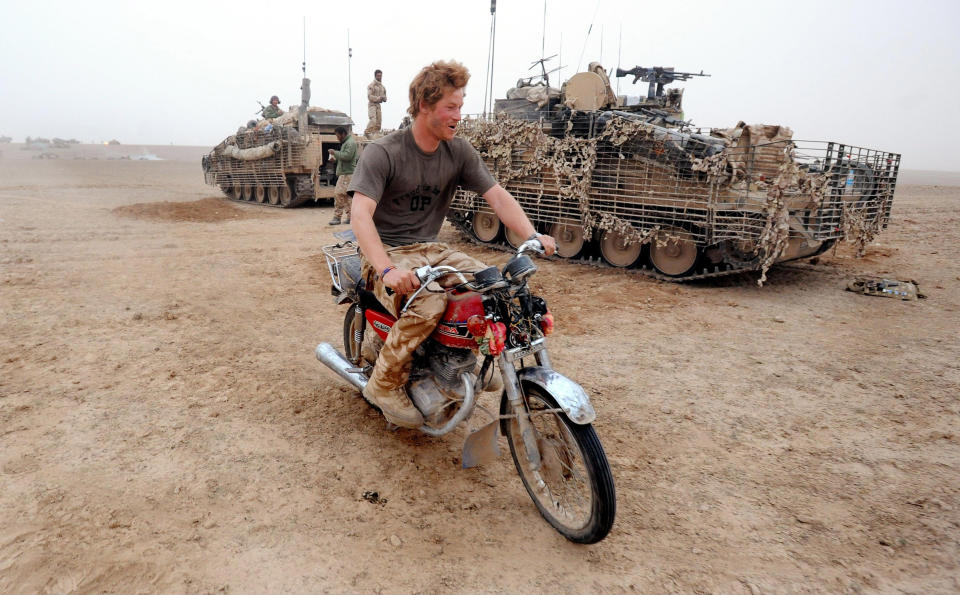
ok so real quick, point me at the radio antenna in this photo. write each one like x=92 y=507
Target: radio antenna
x=619 y=48
x=587 y=38
x=302 y=118
x=543 y=40
x=350 y=78
x=488 y=88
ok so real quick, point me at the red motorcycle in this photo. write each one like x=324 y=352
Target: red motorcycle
x=492 y=321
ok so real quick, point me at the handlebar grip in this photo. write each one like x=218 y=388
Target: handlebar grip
x=423 y=274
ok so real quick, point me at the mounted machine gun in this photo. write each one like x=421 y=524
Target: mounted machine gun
x=658 y=76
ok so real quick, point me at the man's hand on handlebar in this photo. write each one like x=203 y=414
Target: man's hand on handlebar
x=402 y=281
x=543 y=245
x=549 y=244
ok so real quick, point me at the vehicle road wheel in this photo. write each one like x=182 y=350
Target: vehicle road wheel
x=236 y=193
x=573 y=489
x=617 y=250
x=512 y=237
x=261 y=194
x=569 y=237
x=673 y=253
x=286 y=195
x=248 y=192
x=273 y=195
x=740 y=254
x=486 y=226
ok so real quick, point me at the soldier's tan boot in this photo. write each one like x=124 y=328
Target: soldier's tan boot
x=395 y=405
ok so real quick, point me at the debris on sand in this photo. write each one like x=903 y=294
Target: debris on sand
x=374 y=498
x=904 y=290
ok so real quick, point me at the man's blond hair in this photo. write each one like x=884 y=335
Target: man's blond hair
x=433 y=81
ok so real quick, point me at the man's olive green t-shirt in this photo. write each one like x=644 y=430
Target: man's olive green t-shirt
x=414 y=189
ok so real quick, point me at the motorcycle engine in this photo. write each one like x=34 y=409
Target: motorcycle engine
x=447 y=364
x=435 y=381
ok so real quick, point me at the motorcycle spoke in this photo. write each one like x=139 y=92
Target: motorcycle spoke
x=574 y=489
x=566 y=495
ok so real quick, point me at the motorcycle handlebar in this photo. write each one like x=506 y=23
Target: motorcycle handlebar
x=428 y=274
x=534 y=245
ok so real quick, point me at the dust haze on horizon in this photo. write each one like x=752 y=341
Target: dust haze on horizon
x=876 y=74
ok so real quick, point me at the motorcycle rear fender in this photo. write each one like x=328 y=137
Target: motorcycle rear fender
x=569 y=395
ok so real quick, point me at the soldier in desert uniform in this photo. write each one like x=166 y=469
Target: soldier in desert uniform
x=346 y=162
x=376 y=94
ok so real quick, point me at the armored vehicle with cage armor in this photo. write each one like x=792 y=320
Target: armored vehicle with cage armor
x=282 y=161
x=632 y=184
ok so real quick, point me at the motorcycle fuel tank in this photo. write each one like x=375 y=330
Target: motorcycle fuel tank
x=452 y=330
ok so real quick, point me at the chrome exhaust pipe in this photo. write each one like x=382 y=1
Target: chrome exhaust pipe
x=336 y=361
x=466 y=408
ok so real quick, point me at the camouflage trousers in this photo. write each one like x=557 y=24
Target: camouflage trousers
x=341 y=200
x=373 y=113
x=392 y=369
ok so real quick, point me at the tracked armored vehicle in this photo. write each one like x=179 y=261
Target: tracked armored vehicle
x=634 y=185
x=280 y=161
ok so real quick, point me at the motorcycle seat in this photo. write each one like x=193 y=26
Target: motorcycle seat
x=351 y=268
x=369 y=301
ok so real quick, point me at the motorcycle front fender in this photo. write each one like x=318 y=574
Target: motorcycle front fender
x=569 y=395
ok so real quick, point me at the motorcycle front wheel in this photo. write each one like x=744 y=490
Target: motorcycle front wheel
x=573 y=489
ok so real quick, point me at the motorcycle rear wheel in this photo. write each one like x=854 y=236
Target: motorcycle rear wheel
x=573 y=489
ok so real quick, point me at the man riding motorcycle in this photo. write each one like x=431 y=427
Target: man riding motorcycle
x=402 y=189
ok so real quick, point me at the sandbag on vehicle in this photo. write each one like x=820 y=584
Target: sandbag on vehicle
x=253 y=153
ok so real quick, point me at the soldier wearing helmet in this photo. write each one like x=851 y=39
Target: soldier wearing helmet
x=273 y=110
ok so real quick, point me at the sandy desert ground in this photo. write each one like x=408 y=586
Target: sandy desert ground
x=165 y=427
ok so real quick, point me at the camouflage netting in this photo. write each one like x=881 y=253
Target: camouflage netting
x=776 y=230
x=758 y=170
x=861 y=224
x=572 y=159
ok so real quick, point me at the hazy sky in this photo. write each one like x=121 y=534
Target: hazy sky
x=881 y=74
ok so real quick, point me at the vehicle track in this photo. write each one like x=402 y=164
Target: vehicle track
x=719 y=270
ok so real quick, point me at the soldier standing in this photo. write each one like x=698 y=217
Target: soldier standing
x=346 y=162
x=376 y=94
